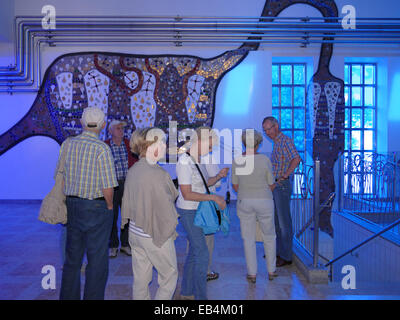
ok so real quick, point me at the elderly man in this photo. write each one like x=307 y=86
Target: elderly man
x=285 y=160
x=124 y=159
x=89 y=181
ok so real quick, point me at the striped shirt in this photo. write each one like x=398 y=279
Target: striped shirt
x=120 y=159
x=283 y=153
x=89 y=167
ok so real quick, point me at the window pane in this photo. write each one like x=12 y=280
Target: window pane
x=369 y=96
x=275 y=74
x=275 y=96
x=346 y=74
x=287 y=133
x=346 y=96
x=356 y=74
x=275 y=114
x=299 y=96
x=346 y=117
x=299 y=118
x=369 y=119
x=356 y=120
x=356 y=140
x=286 y=96
x=356 y=96
x=346 y=140
x=299 y=140
x=368 y=140
x=369 y=74
x=286 y=74
x=298 y=74
x=286 y=121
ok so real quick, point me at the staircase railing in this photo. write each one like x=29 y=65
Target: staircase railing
x=389 y=227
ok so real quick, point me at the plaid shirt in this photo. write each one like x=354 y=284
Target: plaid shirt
x=120 y=159
x=89 y=167
x=283 y=153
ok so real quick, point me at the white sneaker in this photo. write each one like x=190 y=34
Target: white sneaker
x=113 y=252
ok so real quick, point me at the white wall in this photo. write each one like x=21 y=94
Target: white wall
x=32 y=162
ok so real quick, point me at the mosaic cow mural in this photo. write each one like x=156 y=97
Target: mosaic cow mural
x=152 y=90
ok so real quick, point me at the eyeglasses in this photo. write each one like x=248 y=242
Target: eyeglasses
x=267 y=129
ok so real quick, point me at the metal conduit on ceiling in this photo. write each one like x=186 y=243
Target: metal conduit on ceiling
x=29 y=35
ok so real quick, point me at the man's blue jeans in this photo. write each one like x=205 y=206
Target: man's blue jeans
x=283 y=220
x=88 y=229
x=194 y=280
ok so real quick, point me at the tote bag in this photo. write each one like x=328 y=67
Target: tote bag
x=209 y=216
x=53 y=209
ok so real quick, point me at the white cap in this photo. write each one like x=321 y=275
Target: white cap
x=93 y=117
x=116 y=122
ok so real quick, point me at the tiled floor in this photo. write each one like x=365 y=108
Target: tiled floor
x=27 y=245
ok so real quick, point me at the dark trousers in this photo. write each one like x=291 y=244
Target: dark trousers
x=88 y=229
x=124 y=236
x=283 y=220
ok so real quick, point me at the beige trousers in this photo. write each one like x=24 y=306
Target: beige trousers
x=251 y=211
x=145 y=256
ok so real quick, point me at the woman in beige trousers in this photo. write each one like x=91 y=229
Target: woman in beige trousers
x=251 y=178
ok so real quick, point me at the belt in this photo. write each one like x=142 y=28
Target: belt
x=75 y=197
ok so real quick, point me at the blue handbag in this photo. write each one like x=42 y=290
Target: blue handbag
x=209 y=216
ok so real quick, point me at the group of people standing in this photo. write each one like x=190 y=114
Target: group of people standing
x=101 y=177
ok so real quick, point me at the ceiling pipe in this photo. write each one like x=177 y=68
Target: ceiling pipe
x=200 y=30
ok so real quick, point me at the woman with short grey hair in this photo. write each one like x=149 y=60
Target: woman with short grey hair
x=191 y=192
x=251 y=178
x=149 y=206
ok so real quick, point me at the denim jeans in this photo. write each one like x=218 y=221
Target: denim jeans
x=194 y=280
x=88 y=229
x=283 y=220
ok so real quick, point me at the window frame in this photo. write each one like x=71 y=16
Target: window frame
x=356 y=171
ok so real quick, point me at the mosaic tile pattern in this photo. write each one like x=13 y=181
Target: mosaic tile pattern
x=141 y=90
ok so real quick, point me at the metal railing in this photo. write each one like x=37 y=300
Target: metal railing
x=384 y=230
x=369 y=187
x=306 y=208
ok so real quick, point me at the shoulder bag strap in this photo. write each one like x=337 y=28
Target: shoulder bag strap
x=201 y=174
x=208 y=190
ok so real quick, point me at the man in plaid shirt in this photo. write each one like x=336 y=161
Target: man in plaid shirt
x=89 y=181
x=123 y=159
x=284 y=159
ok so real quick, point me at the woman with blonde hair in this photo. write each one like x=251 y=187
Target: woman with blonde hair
x=252 y=179
x=191 y=192
x=148 y=205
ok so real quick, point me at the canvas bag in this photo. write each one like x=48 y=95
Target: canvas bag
x=209 y=216
x=53 y=209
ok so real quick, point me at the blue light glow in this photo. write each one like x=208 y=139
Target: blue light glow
x=238 y=90
x=394 y=107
